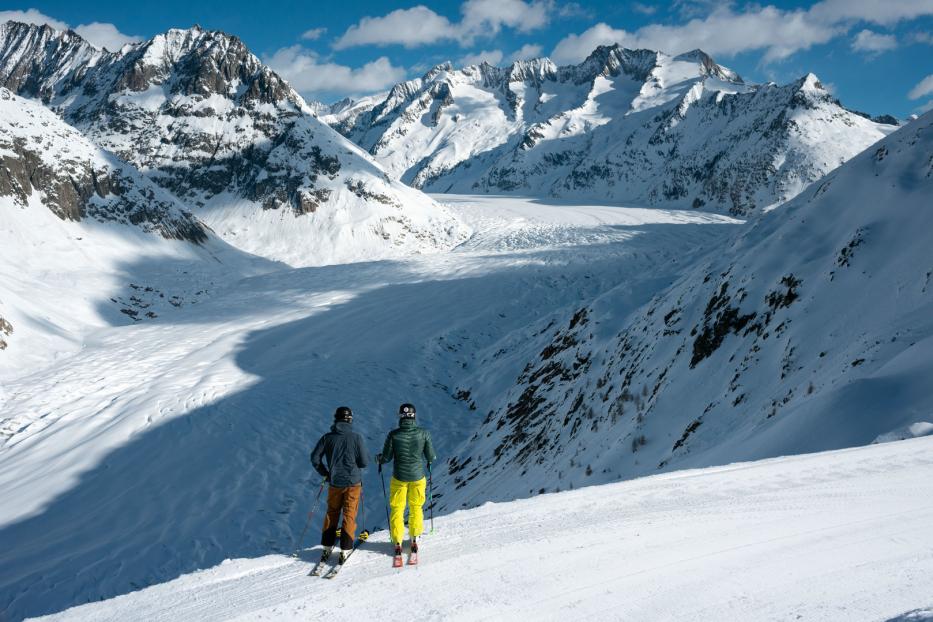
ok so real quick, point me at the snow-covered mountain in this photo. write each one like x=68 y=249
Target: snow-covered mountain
x=201 y=116
x=812 y=331
x=627 y=125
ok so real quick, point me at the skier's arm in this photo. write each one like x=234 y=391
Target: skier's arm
x=317 y=458
x=429 y=454
x=387 y=451
x=362 y=456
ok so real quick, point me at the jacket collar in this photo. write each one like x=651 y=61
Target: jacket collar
x=341 y=427
x=407 y=423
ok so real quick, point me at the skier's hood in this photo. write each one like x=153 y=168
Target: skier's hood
x=342 y=427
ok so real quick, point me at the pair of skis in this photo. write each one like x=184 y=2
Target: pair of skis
x=318 y=569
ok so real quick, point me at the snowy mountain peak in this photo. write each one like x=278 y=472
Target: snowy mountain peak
x=709 y=67
x=206 y=120
x=611 y=60
x=638 y=126
x=535 y=69
x=811 y=83
x=437 y=70
x=204 y=62
x=34 y=58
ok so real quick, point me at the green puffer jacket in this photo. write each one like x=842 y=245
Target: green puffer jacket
x=409 y=446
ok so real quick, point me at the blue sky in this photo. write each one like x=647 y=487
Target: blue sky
x=875 y=55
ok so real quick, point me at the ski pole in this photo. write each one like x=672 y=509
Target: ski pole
x=431 y=507
x=310 y=516
x=384 y=496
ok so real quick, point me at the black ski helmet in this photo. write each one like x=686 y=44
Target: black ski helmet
x=343 y=413
x=406 y=411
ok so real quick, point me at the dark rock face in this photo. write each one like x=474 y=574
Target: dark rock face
x=6 y=329
x=41 y=156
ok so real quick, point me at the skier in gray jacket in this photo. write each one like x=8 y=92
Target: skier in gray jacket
x=346 y=457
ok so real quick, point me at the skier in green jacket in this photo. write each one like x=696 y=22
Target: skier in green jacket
x=409 y=446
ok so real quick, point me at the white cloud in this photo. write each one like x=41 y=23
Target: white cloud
x=489 y=16
x=98 y=34
x=869 y=41
x=574 y=48
x=882 y=12
x=314 y=34
x=408 y=27
x=32 y=16
x=105 y=36
x=493 y=57
x=922 y=37
x=644 y=9
x=527 y=51
x=420 y=25
x=311 y=76
x=723 y=31
x=574 y=9
x=923 y=88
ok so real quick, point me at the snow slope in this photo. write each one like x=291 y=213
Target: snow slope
x=167 y=445
x=835 y=536
x=77 y=227
x=201 y=116
x=812 y=330
x=635 y=126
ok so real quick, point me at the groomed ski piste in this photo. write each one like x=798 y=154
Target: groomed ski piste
x=841 y=535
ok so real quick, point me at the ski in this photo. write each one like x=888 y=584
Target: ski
x=319 y=567
x=333 y=571
x=364 y=536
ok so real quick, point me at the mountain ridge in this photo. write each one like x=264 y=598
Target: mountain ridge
x=806 y=333
x=197 y=113
x=607 y=128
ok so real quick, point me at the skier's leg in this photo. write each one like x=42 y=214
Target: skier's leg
x=351 y=503
x=398 y=491
x=332 y=518
x=416 y=497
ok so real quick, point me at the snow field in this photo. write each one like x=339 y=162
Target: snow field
x=840 y=535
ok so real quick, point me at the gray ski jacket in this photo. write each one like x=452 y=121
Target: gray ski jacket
x=345 y=454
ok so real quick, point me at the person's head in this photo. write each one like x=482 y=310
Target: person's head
x=406 y=411
x=344 y=414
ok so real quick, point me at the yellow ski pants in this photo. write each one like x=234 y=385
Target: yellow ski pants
x=399 y=493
